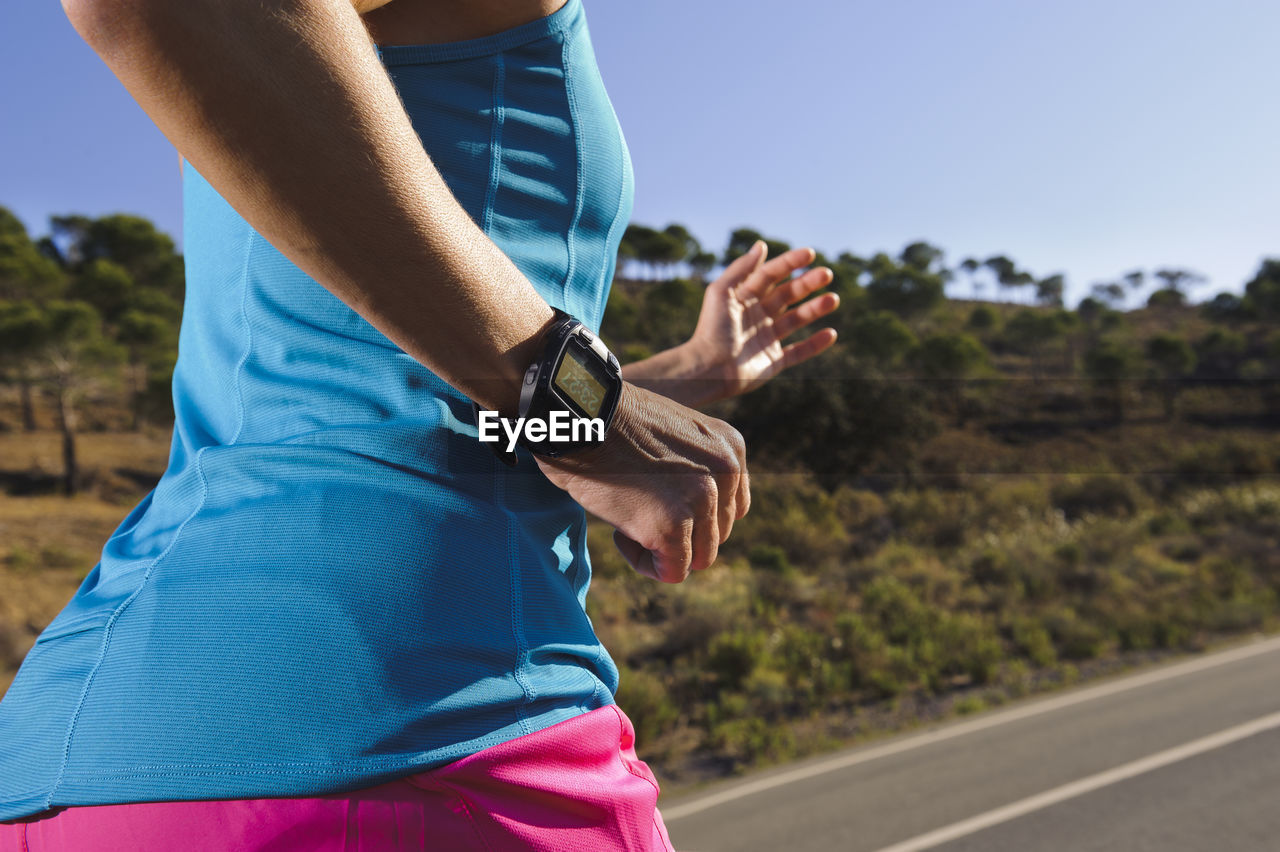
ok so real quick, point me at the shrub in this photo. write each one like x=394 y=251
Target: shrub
x=1213 y=462
x=1075 y=638
x=1034 y=642
x=646 y=702
x=981 y=318
x=1101 y=494
x=968 y=646
x=732 y=656
x=771 y=558
x=747 y=740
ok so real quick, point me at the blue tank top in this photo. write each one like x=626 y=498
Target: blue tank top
x=334 y=583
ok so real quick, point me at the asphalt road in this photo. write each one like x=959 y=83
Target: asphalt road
x=1181 y=757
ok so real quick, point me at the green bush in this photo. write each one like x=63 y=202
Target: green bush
x=1033 y=641
x=644 y=699
x=745 y=741
x=771 y=558
x=1219 y=462
x=1097 y=494
x=733 y=656
x=1074 y=637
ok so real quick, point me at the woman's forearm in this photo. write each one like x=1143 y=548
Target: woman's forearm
x=677 y=373
x=284 y=106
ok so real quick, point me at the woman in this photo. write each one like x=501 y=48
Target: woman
x=339 y=621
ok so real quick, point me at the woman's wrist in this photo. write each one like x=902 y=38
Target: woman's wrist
x=683 y=373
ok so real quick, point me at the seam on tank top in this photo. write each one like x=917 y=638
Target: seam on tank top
x=604 y=287
x=495 y=141
x=248 y=335
x=517 y=610
x=499 y=480
x=111 y=622
x=624 y=188
x=572 y=102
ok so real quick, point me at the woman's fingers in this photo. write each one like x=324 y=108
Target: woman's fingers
x=803 y=350
x=773 y=271
x=812 y=310
x=741 y=268
x=670 y=480
x=681 y=550
x=792 y=291
x=637 y=556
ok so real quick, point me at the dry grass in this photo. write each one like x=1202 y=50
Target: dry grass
x=49 y=543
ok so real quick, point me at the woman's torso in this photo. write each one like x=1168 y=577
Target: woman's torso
x=334 y=583
x=437 y=21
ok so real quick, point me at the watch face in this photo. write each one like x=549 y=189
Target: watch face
x=576 y=379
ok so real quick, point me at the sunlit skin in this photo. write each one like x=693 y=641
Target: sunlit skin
x=434 y=21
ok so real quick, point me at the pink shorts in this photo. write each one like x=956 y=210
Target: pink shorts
x=576 y=786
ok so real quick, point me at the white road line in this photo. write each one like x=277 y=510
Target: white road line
x=981 y=723
x=1085 y=785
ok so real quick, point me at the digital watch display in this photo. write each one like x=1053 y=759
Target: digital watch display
x=578 y=381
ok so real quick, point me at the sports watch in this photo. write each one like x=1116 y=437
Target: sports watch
x=573 y=388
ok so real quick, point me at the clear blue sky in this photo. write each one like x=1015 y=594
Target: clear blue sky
x=1083 y=137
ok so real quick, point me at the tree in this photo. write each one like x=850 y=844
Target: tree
x=132 y=242
x=701 y=264
x=835 y=416
x=981 y=318
x=105 y=284
x=847 y=272
x=880 y=337
x=1032 y=332
x=653 y=248
x=1166 y=298
x=150 y=343
x=22 y=336
x=671 y=311
x=742 y=239
x=1007 y=274
x=905 y=290
x=1135 y=279
x=921 y=256
x=77 y=356
x=1049 y=290
x=1219 y=353
x=1179 y=279
x=25 y=273
x=1262 y=293
x=970 y=266
x=1224 y=307
x=1088 y=309
x=1108 y=292
x=679 y=235
x=1172 y=360
x=950 y=359
x=1109 y=364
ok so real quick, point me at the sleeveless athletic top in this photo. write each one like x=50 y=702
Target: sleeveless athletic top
x=334 y=583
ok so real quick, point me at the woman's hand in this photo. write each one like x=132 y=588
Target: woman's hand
x=746 y=314
x=671 y=482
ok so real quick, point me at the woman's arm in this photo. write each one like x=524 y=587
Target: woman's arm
x=284 y=106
